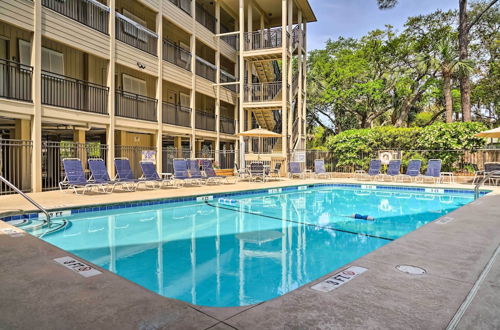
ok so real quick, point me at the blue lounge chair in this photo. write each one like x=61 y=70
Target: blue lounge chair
x=124 y=173
x=181 y=172
x=433 y=172
x=295 y=170
x=99 y=174
x=150 y=174
x=75 y=177
x=275 y=173
x=412 y=171
x=373 y=170
x=319 y=169
x=210 y=174
x=257 y=171
x=393 y=170
x=195 y=172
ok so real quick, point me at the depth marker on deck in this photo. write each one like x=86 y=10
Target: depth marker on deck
x=339 y=279
x=77 y=266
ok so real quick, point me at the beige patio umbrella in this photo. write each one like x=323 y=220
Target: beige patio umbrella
x=260 y=133
x=492 y=133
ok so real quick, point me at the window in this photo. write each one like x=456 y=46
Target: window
x=52 y=61
x=134 y=85
x=24 y=52
x=185 y=100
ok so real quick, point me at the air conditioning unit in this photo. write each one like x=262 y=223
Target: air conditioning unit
x=387 y=155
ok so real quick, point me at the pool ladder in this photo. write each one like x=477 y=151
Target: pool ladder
x=17 y=190
x=482 y=181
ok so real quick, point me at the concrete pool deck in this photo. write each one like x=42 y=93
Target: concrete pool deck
x=38 y=293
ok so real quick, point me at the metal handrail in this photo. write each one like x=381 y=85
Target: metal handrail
x=38 y=206
x=483 y=180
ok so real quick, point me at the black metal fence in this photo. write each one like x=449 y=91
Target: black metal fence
x=205 y=120
x=175 y=114
x=227 y=125
x=262 y=39
x=88 y=12
x=205 y=18
x=135 y=106
x=66 y=92
x=53 y=152
x=226 y=78
x=185 y=5
x=176 y=55
x=15 y=80
x=15 y=164
x=263 y=92
x=232 y=40
x=134 y=155
x=205 y=69
x=136 y=35
x=169 y=154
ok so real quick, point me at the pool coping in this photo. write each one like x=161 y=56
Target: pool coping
x=259 y=314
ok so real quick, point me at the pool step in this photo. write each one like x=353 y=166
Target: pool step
x=41 y=228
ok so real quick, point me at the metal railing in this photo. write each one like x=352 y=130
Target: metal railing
x=295 y=36
x=88 y=12
x=205 y=18
x=66 y=92
x=263 y=146
x=232 y=40
x=176 y=55
x=487 y=177
x=15 y=80
x=53 y=152
x=175 y=114
x=135 y=106
x=263 y=92
x=136 y=35
x=226 y=78
x=185 y=5
x=205 y=120
x=227 y=125
x=205 y=69
x=15 y=164
x=264 y=39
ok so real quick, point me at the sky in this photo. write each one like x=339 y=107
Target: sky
x=354 y=18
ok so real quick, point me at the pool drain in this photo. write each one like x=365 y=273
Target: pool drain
x=412 y=270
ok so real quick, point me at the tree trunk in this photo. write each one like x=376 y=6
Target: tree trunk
x=448 y=100
x=463 y=45
x=403 y=116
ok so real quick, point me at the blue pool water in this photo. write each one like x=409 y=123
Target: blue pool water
x=252 y=249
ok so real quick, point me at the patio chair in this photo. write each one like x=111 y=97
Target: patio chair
x=295 y=169
x=492 y=167
x=99 y=174
x=181 y=172
x=319 y=169
x=373 y=170
x=433 y=171
x=150 y=174
x=412 y=171
x=257 y=171
x=242 y=173
x=75 y=177
x=124 y=173
x=393 y=170
x=275 y=173
x=208 y=167
x=194 y=171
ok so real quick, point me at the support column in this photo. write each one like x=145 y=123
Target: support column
x=284 y=77
x=22 y=131
x=241 y=75
x=289 y=75
x=159 y=93
x=178 y=146
x=79 y=137
x=304 y=84
x=299 y=111
x=192 y=102
x=36 y=122
x=110 y=129
x=217 y=81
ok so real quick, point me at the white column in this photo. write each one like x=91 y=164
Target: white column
x=110 y=130
x=290 y=74
x=192 y=102
x=217 y=80
x=284 y=78
x=159 y=92
x=241 y=67
x=36 y=121
x=299 y=110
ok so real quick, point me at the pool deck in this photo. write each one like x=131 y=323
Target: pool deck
x=37 y=293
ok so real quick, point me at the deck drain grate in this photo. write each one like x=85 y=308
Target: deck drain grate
x=412 y=270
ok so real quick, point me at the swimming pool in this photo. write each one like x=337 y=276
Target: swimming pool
x=245 y=248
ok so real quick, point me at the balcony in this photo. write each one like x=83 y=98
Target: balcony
x=227 y=125
x=176 y=55
x=263 y=92
x=205 y=18
x=264 y=39
x=71 y=93
x=226 y=78
x=15 y=81
x=175 y=114
x=232 y=40
x=205 y=69
x=88 y=12
x=205 y=121
x=136 y=35
x=185 y=5
x=135 y=106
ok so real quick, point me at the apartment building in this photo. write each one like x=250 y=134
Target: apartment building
x=122 y=78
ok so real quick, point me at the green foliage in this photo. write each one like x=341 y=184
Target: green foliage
x=447 y=142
